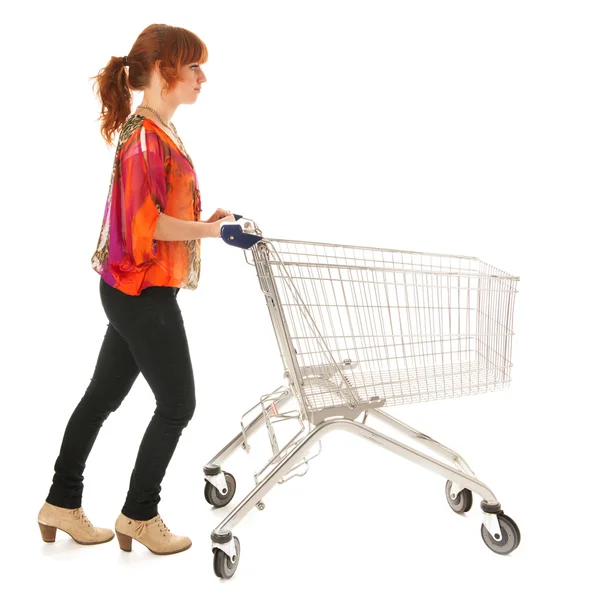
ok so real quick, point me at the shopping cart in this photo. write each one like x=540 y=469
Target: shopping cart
x=360 y=329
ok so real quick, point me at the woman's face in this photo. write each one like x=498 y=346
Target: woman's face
x=191 y=79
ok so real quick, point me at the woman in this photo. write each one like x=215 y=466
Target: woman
x=149 y=248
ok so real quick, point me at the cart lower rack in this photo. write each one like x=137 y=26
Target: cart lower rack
x=360 y=329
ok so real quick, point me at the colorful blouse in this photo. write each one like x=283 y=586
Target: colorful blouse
x=150 y=175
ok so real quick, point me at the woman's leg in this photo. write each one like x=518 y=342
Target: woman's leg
x=114 y=375
x=153 y=327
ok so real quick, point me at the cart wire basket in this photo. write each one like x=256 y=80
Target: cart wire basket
x=360 y=329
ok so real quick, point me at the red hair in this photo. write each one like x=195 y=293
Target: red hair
x=172 y=46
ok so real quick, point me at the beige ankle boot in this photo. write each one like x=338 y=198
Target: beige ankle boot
x=153 y=534
x=72 y=521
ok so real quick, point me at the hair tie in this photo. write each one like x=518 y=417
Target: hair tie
x=125 y=60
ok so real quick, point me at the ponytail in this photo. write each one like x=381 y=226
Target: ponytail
x=112 y=89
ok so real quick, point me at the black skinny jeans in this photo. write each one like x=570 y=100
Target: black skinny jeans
x=145 y=333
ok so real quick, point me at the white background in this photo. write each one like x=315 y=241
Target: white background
x=439 y=126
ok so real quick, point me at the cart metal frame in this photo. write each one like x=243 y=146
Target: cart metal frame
x=359 y=329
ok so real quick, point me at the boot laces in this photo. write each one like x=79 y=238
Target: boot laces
x=142 y=525
x=79 y=514
x=162 y=527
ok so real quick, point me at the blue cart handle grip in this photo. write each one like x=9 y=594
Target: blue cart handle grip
x=234 y=235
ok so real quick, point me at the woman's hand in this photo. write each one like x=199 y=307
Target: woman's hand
x=217 y=224
x=220 y=213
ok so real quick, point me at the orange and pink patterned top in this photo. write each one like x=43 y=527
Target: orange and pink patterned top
x=150 y=175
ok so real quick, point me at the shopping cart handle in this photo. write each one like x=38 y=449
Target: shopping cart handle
x=234 y=235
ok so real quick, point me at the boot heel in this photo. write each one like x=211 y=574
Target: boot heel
x=48 y=532
x=124 y=542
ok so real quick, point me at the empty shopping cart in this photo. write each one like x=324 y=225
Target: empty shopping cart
x=360 y=329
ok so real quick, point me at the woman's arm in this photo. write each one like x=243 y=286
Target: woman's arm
x=172 y=229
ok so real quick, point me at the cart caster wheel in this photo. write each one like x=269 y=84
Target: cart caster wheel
x=511 y=536
x=463 y=501
x=215 y=497
x=223 y=566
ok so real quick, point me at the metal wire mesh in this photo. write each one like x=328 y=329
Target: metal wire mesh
x=359 y=324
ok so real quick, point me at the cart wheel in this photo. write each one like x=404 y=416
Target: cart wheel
x=215 y=497
x=463 y=501
x=511 y=536
x=225 y=567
